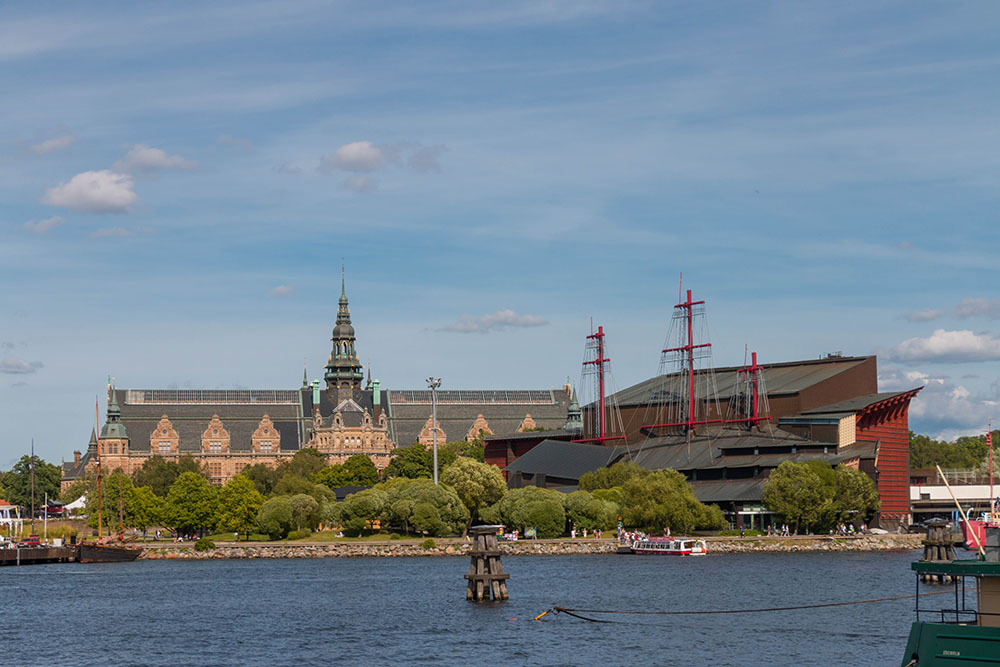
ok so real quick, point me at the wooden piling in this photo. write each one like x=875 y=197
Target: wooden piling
x=486 y=576
x=938 y=546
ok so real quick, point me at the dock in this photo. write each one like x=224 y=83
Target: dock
x=38 y=555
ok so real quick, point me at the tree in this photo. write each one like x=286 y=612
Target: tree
x=616 y=475
x=798 y=493
x=305 y=511
x=291 y=485
x=275 y=518
x=663 y=499
x=123 y=504
x=586 y=510
x=77 y=487
x=856 y=496
x=534 y=507
x=239 y=505
x=357 y=470
x=307 y=462
x=145 y=508
x=160 y=474
x=471 y=449
x=430 y=508
x=477 y=484
x=411 y=462
x=263 y=476
x=17 y=481
x=359 y=510
x=191 y=503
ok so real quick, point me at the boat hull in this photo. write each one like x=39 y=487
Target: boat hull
x=952 y=644
x=99 y=553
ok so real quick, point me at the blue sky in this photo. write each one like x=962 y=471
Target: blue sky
x=180 y=183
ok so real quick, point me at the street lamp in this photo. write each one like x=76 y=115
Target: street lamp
x=434 y=383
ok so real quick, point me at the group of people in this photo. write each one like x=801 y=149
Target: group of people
x=848 y=529
x=596 y=533
x=778 y=531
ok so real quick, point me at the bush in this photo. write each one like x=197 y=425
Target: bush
x=204 y=544
x=299 y=534
x=428 y=543
x=275 y=518
x=532 y=506
x=735 y=533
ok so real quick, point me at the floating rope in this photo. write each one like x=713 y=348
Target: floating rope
x=570 y=611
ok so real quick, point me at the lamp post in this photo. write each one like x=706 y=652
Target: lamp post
x=434 y=383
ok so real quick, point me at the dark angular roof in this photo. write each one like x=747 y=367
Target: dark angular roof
x=351 y=411
x=568 y=460
x=851 y=405
x=789 y=377
x=457 y=410
x=190 y=411
x=722 y=490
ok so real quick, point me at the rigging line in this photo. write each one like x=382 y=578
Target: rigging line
x=572 y=611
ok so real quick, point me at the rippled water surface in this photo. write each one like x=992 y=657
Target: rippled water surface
x=413 y=610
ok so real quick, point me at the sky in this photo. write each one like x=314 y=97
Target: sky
x=181 y=183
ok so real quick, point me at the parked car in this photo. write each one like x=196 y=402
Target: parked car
x=30 y=541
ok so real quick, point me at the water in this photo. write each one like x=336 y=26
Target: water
x=372 y=611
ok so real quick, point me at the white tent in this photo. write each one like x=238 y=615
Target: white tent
x=77 y=504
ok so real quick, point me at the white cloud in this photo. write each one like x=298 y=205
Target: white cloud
x=923 y=315
x=230 y=140
x=948 y=347
x=361 y=184
x=943 y=410
x=42 y=226
x=425 y=159
x=94 y=192
x=979 y=307
x=501 y=319
x=357 y=156
x=54 y=145
x=281 y=290
x=145 y=159
x=12 y=366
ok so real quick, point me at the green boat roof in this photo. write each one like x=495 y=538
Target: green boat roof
x=958 y=567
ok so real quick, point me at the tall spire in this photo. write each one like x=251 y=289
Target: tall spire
x=113 y=426
x=343 y=369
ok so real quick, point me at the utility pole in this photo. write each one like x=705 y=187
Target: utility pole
x=434 y=383
x=32 y=463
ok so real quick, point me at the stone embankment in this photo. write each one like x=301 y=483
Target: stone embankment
x=454 y=547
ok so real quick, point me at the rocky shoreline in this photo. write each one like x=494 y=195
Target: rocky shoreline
x=456 y=547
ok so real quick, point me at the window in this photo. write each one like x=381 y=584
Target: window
x=164 y=446
x=215 y=446
x=265 y=446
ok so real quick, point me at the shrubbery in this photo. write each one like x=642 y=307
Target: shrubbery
x=299 y=534
x=204 y=544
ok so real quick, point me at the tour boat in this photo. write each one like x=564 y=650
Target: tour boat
x=670 y=546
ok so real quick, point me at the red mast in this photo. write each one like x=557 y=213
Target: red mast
x=599 y=362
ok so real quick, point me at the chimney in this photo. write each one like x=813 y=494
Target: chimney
x=76 y=458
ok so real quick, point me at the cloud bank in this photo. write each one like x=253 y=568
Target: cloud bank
x=12 y=366
x=102 y=191
x=42 y=226
x=949 y=347
x=497 y=321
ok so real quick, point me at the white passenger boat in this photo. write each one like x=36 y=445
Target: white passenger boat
x=670 y=546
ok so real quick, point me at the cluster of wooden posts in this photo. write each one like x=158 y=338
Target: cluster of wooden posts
x=486 y=576
x=939 y=546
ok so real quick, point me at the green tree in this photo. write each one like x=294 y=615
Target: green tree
x=359 y=510
x=239 y=505
x=855 y=494
x=79 y=487
x=422 y=505
x=116 y=489
x=263 y=476
x=477 y=484
x=614 y=476
x=275 y=518
x=664 y=499
x=307 y=462
x=411 y=462
x=292 y=485
x=799 y=494
x=191 y=503
x=145 y=508
x=305 y=511
x=160 y=474
x=534 y=507
x=357 y=470
x=586 y=510
x=17 y=481
x=471 y=449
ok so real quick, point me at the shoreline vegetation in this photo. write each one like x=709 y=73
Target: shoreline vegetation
x=353 y=548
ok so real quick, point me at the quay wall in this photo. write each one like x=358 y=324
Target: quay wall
x=453 y=547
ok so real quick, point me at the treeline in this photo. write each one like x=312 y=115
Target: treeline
x=815 y=496
x=968 y=451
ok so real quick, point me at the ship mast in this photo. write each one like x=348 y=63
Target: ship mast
x=599 y=366
x=100 y=498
